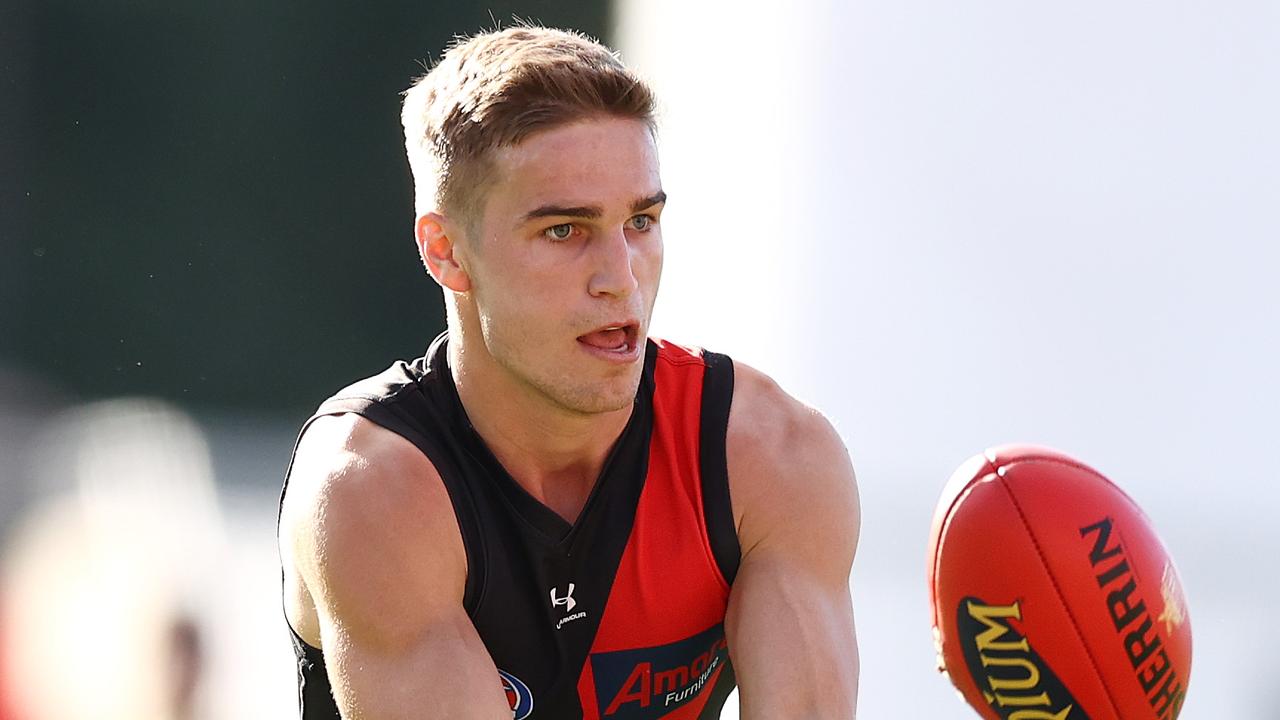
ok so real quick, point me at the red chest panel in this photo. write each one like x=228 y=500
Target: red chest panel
x=660 y=647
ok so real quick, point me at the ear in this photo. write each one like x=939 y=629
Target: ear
x=437 y=250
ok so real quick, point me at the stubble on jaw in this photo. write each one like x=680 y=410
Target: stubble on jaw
x=567 y=391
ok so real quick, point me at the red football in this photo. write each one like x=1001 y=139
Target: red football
x=1052 y=596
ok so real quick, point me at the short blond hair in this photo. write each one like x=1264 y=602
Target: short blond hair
x=494 y=90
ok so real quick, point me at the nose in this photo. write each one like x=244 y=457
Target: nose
x=613 y=273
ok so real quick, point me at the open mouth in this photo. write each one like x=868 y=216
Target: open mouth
x=620 y=339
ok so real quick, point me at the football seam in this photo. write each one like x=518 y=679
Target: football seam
x=1035 y=542
x=989 y=468
x=937 y=551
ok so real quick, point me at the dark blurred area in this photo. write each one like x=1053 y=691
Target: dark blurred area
x=209 y=202
x=205 y=229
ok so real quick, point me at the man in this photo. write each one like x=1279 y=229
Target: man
x=551 y=515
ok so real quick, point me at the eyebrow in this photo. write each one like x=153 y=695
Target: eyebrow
x=591 y=212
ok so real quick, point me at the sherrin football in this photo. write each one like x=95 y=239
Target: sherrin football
x=1052 y=596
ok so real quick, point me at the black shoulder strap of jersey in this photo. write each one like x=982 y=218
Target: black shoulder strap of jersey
x=404 y=402
x=717 y=395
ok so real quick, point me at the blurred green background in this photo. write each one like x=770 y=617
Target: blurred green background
x=209 y=202
x=206 y=204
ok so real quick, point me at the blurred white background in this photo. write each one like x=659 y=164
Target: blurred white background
x=955 y=225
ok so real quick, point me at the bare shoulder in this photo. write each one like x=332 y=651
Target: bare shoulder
x=774 y=427
x=788 y=467
x=367 y=525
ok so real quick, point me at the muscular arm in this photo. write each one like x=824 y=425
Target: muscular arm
x=790 y=618
x=368 y=530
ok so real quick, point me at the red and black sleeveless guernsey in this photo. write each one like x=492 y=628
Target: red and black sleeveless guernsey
x=619 y=616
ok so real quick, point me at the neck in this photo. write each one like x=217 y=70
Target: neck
x=554 y=453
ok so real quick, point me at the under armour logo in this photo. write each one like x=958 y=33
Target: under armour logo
x=567 y=601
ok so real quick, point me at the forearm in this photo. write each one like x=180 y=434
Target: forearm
x=793 y=647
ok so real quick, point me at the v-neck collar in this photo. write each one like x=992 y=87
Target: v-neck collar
x=625 y=464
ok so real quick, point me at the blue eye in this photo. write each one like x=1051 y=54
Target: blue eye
x=641 y=222
x=559 y=232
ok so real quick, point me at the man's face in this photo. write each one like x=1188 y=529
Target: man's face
x=565 y=261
